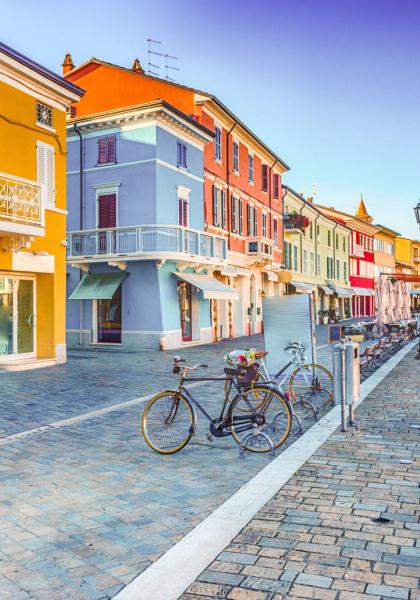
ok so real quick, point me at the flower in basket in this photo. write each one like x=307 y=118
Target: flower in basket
x=240 y=358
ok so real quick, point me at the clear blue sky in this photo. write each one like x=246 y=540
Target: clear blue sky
x=333 y=86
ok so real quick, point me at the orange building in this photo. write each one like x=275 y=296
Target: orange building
x=242 y=187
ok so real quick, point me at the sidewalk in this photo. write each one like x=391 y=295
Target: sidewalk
x=318 y=538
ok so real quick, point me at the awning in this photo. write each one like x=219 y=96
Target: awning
x=343 y=292
x=358 y=291
x=327 y=291
x=229 y=271
x=101 y=286
x=271 y=276
x=302 y=288
x=212 y=288
x=415 y=292
x=242 y=271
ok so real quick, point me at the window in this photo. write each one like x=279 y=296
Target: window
x=318 y=265
x=288 y=255
x=44 y=114
x=329 y=238
x=236 y=157
x=305 y=261
x=311 y=232
x=312 y=263
x=330 y=267
x=236 y=210
x=317 y=233
x=107 y=214
x=353 y=266
x=295 y=258
x=275 y=232
x=106 y=150
x=183 y=216
x=45 y=167
x=219 y=207
x=264 y=224
x=181 y=155
x=336 y=241
x=337 y=272
x=345 y=271
x=264 y=178
x=276 y=180
x=344 y=244
x=252 y=220
x=218 y=143
x=250 y=168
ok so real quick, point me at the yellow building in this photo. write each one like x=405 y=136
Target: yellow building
x=33 y=104
x=384 y=250
x=316 y=251
x=403 y=256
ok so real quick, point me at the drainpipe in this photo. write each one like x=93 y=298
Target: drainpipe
x=228 y=203
x=316 y=244
x=334 y=263
x=80 y=222
x=301 y=244
x=270 y=194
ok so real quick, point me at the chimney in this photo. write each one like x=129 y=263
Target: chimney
x=67 y=64
x=137 y=68
x=310 y=199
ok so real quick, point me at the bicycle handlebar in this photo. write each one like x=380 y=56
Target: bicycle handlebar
x=177 y=369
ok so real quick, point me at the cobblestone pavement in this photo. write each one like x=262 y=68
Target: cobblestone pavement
x=346 y=526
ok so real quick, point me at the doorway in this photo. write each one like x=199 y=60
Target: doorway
x=17 y=317
x=185 y=310
x=109 y=319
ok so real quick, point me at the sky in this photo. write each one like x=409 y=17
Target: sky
x=332 y=86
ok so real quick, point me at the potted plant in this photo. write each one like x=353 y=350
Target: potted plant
x=323 y=314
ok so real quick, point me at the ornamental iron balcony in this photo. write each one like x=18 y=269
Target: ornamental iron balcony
x=144 y=240
x=20 y=205
x=295 y=222
x=357 y=250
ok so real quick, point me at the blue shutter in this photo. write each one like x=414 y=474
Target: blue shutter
x=184 y=155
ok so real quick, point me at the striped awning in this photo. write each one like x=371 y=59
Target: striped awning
x=212 y=288
x=98 y=286
x=327 y=291
x=343 y=292
x=229 y=271
x=271 y=276
x=358 y=291
x=302 y=288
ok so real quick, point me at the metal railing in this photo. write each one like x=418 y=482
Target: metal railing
x=357 y=250
x=145 y=239
x=20 y=200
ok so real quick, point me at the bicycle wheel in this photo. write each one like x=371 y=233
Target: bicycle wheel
x=313 y=382
x=168 y=422
x=260 y=415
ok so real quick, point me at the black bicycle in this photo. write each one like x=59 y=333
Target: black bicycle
x=258 y=418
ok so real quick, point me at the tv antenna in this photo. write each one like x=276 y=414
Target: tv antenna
x=169 y=67
x=152 y=53
x=314 y=189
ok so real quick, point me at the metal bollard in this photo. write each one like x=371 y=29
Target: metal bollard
x=352 y=376
x=339 y=381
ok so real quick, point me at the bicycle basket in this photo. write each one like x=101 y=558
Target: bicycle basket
x=250 y=376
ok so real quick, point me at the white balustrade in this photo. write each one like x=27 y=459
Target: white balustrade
x=20 y=200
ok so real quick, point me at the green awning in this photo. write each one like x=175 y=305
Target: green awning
x=101 y=286
x=212 y=288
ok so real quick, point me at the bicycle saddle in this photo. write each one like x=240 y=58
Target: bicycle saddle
x=260 y=354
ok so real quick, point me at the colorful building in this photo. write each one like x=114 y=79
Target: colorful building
x=384 y=250
x=362 y=273
x=33 y=104
x=316 y=251
x=141 y=264
x=242 y=185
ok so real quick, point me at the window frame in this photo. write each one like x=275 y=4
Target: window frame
x=217 y=154
x=106 y=139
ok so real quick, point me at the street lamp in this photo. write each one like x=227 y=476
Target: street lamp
x=417 y=213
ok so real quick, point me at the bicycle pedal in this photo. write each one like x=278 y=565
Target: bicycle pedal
x=210 y=438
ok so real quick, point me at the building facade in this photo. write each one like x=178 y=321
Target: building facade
x=384 y=250
x=316 y=251
x=362 y=272
x=33 y=105
x=141 y=264
x=242 y=186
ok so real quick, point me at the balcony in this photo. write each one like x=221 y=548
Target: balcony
x=295 y=222
x=357 y=251
x=259 y=246
x=146 y=242
x=21 y=207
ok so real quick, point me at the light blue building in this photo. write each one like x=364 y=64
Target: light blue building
x=140 y=263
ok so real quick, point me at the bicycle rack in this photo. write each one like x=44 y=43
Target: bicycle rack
x=252 y=436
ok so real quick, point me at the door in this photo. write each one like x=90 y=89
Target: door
x=107 y=218
x=109 y=319
x=17 y=317
x=185 y=311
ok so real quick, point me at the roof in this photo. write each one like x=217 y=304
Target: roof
x=361 y=212
x=34 y=66
x=347 y=216
x=313 y=206
x=144 y=105
x=387 y=229
x=185 y=87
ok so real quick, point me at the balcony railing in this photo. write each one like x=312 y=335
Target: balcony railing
x=357 y=250
x=20 y=201
x=295 y=222
x=259 y=246
x=144 y=240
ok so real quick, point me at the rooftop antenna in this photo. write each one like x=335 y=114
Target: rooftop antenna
x=314 y=190
x=151 y=53
x=170 y=67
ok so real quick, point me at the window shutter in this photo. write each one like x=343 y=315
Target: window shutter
x=255 y=222
x=111 y=149
x=275 y=185
x=232 y=214
x=180 y=215
x=184 y=155
x=107 y=211
x=264 y=169
x=215 y=223
x=240 y=216
x=102 y=151
x=40 y=162
x=223 y=194
x=45 y=165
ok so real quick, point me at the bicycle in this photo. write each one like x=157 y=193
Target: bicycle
x=258 y=418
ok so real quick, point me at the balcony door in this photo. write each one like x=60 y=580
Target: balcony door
x=107 y=218
x=17 y=318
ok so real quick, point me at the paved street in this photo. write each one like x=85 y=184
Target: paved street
x=87 y=507
x=346 y=526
